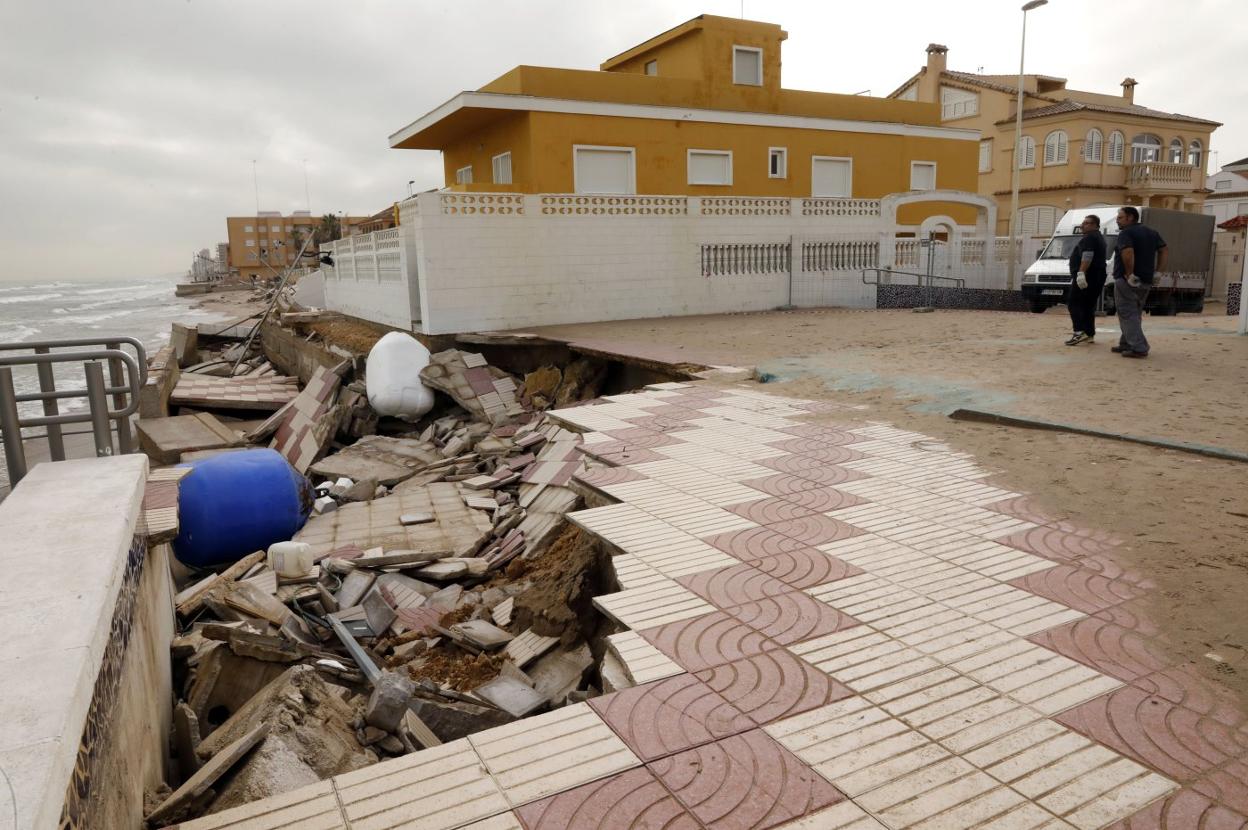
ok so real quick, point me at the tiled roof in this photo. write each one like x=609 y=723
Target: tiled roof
x=979 y=80
x=1129 y=109
x=1236 y=223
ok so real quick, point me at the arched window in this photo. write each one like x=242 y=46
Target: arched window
x=1117 y=142
x=1055 y=148
x=1093 y=145
x=1196 y=154
x=1027 y=152
x=1175 y=156
x=1145 y=147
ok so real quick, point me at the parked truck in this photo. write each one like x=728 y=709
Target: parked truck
x=1181 y=287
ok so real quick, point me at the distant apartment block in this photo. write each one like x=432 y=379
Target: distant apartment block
x=263 y=245
x=1079 y=149
x=1228 y=192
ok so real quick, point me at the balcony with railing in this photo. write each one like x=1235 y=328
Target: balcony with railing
x=1164 y=177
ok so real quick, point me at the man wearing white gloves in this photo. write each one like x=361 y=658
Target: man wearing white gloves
x=1140 y=254
x=1087 y=268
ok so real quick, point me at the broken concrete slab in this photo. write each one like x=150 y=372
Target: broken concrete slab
x=190 y=600
x=354 y=586
x=209 y=392
x=454 y=568
x=306 y=429
x=388 y=702
x=457 y=528
x=254 y=602
x=162 y=376
x=450 y=720
x=501 y=613
x=386 y=459
x=223 y=682
x=399 y=558
x=485 y=391
x=184 y=340
x=164 y=440
x=257 y=646
x=527 y=647
x=186 y=739
x=558 y=674
x=207 y=775
x=363 y=490
x=418 y=731
x=310 y=738
x=611 y=673
x=482 y=634
x=323 y=505
x=512 y=696
x=377 y=611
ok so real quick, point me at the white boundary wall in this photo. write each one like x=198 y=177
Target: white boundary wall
x=484 y=261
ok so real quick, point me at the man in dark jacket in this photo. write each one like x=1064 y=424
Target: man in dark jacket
x=1087 y=271
x=1141 y=252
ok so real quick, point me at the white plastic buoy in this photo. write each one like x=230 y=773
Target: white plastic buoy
x=393 y=377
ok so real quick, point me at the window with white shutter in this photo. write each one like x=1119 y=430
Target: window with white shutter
x=710 y=167
x=1027 y=152
x=604 y=169
x=464 y=175
x=985 y=155
x=747 y=65
x=1055 y=148
x=1117 y=146
x=831 y=176
x=957 y=103
x=1093 y=145
x=922 y=175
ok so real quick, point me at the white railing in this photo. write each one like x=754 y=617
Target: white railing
x=824 y=255
x=1162 y=174
x=906 y=256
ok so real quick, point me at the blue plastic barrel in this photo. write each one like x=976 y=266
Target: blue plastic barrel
x=236 y=503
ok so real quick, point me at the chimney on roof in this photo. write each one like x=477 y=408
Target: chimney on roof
x=1128 y=90
x=936 y=58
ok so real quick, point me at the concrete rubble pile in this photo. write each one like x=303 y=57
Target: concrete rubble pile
x=435 y=591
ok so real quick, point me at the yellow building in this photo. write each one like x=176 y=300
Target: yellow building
x=1079 y=149
x=697 y=110
x=261 y=246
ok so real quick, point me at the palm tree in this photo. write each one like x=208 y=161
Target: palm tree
x=329 y=230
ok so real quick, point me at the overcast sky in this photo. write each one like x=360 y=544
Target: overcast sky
x=128 y=129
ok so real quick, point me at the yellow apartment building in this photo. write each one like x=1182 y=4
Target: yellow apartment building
x=1079 y=149
x=698 y=110
x=263 y=245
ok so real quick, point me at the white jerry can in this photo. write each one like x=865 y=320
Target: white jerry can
x=393 y=377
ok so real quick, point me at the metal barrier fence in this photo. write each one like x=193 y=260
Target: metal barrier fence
x=126 y=376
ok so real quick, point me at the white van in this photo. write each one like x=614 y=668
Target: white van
x=1189 y=239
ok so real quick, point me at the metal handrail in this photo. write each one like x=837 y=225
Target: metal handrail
x=957 y=281
x=127 y=374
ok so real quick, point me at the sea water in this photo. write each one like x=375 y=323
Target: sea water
x=97 y=309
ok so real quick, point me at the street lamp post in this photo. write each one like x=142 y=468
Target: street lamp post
x=1018 y=139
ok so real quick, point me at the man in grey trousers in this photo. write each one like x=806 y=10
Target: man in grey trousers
x=1139 y=254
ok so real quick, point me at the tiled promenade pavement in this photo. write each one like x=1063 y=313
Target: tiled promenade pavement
x=842 y=628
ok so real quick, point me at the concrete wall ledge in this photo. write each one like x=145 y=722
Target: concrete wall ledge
x=69 y=532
